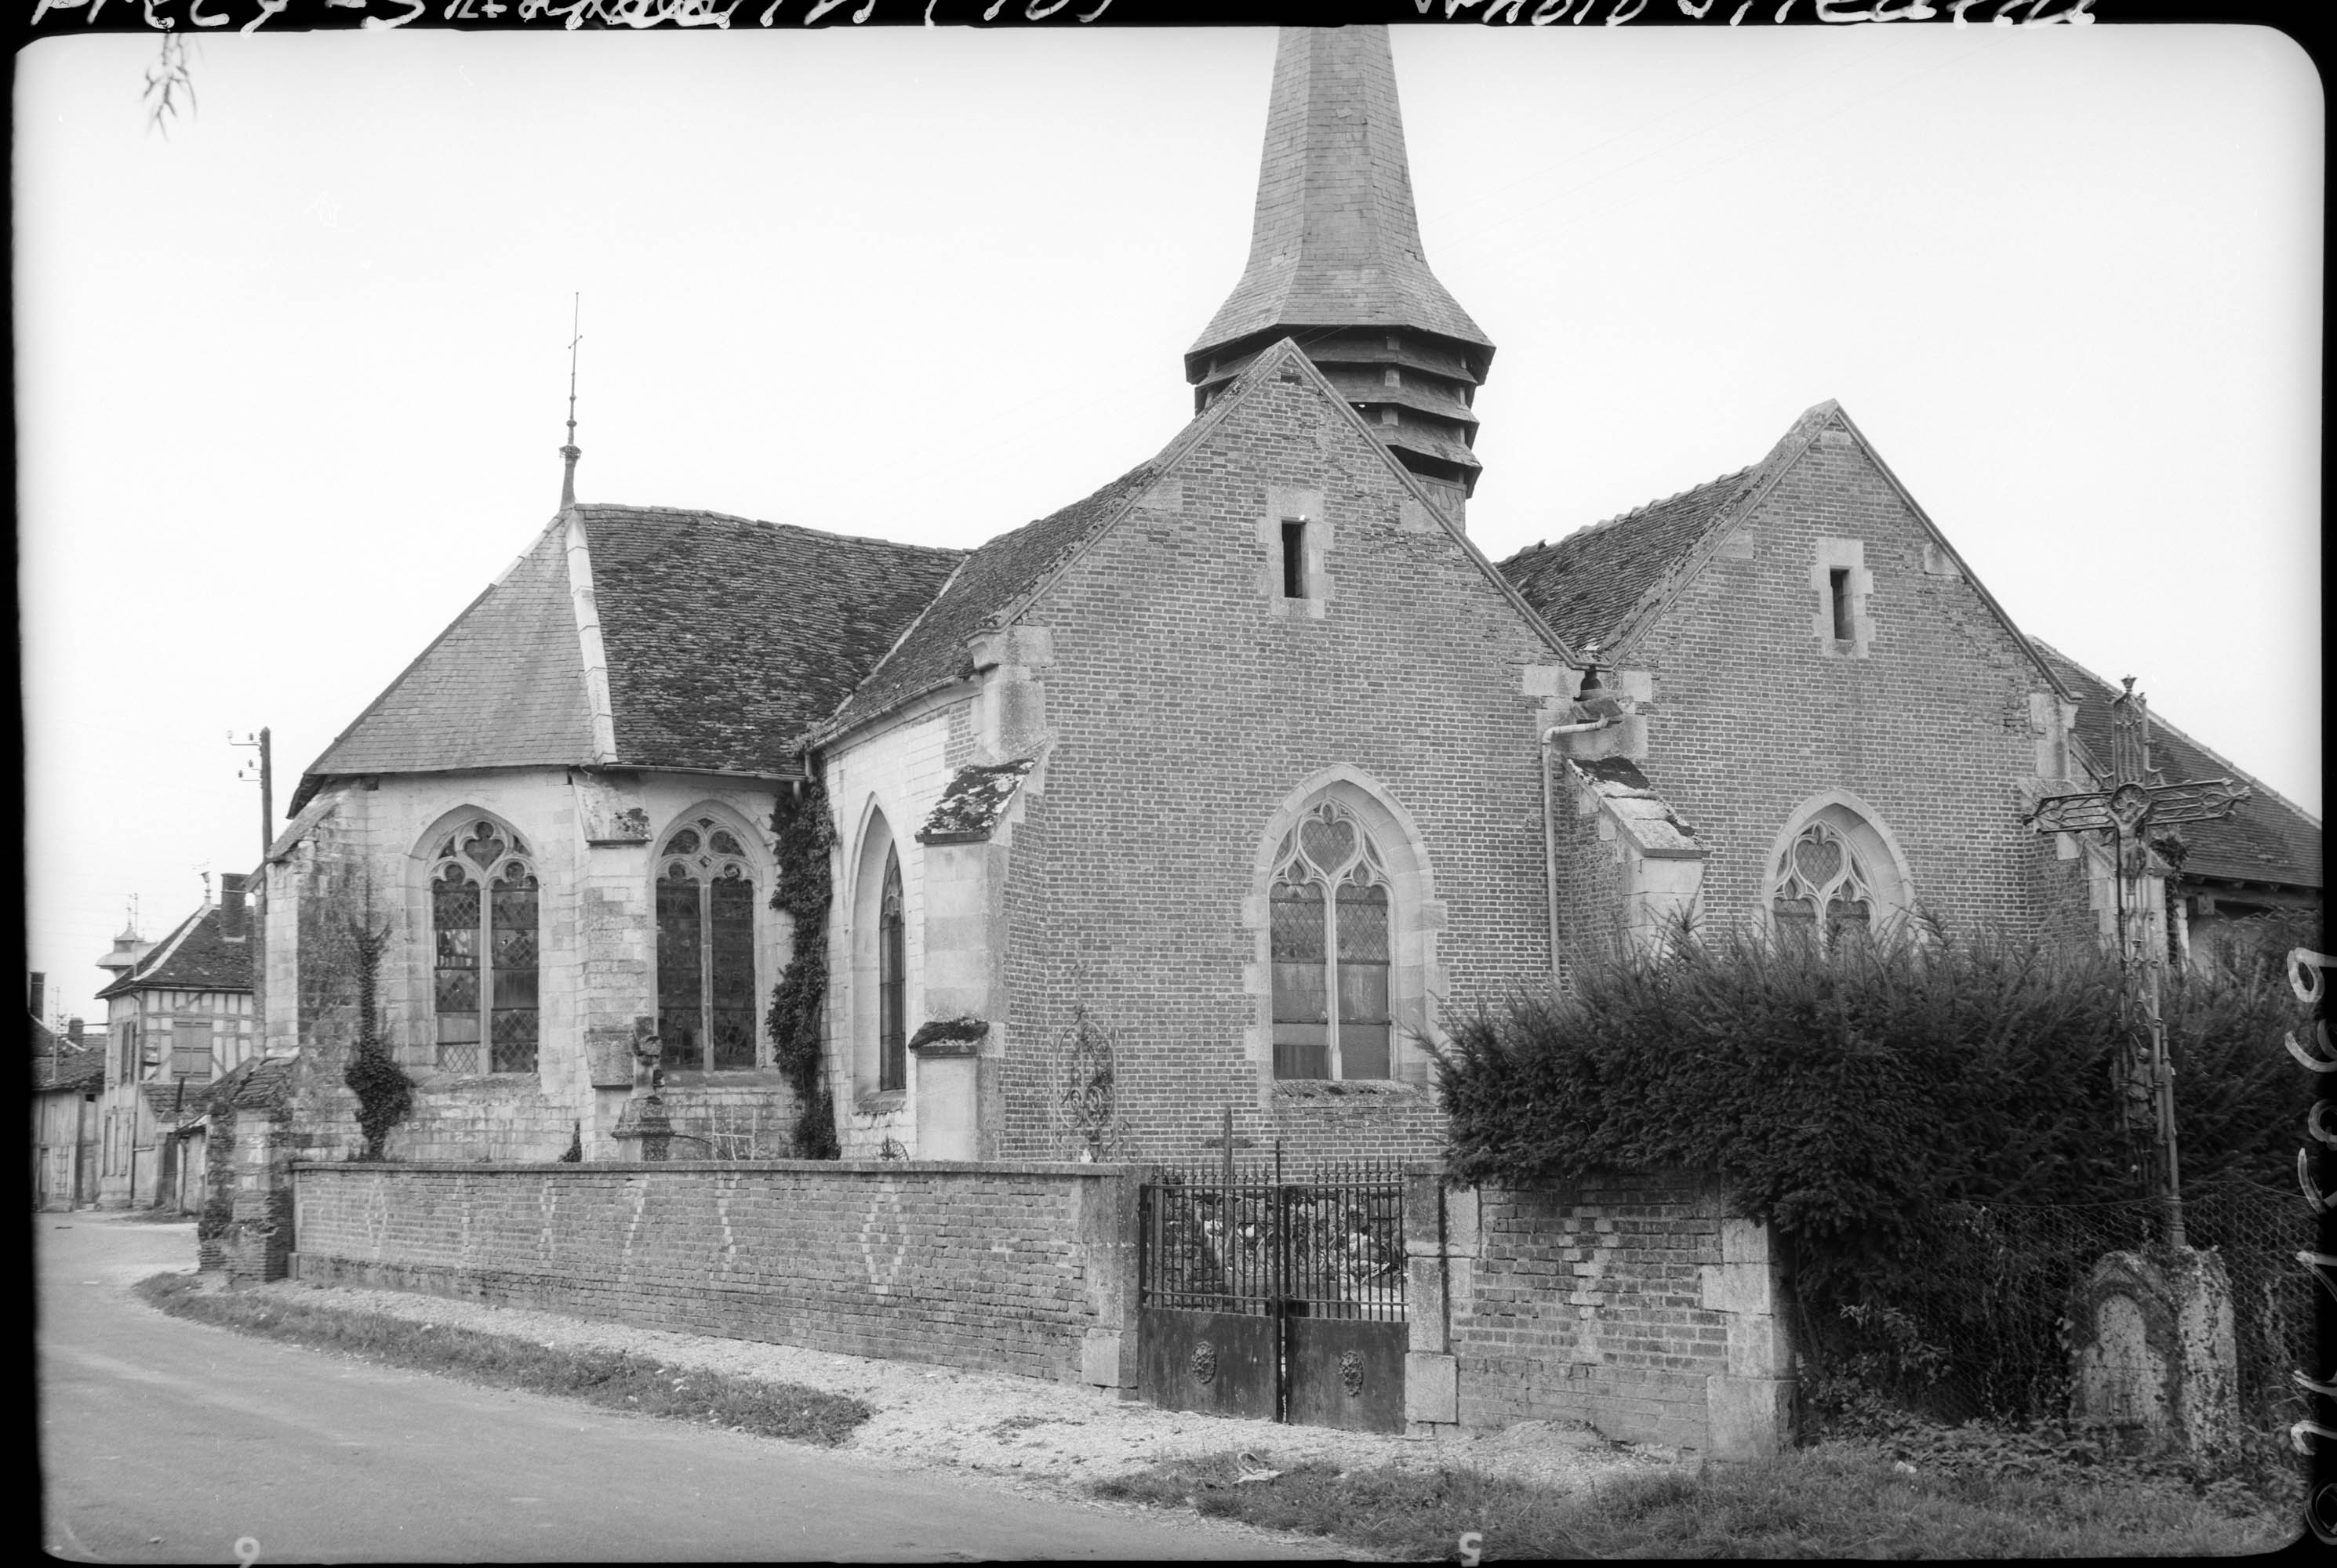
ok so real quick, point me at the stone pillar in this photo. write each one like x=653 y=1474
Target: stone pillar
x=1106 y=1227
x=1749 y=1406
x=1439 y=1243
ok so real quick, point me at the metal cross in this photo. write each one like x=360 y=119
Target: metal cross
x=2130 y=806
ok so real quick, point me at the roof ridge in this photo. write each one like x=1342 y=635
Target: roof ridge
x=705 y=513
x=1645 y=506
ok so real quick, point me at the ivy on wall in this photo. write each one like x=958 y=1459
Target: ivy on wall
x=805 y=895
x=385 y=1094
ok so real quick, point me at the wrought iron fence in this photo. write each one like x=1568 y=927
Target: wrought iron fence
x=1328 y=1246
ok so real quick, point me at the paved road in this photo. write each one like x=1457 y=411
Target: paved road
x=165 y=1441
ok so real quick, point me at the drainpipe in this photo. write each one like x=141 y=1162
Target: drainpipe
x=1550 y=822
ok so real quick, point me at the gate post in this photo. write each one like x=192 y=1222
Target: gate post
x=1439 y=1238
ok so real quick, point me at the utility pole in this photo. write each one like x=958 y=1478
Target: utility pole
x=267 y=786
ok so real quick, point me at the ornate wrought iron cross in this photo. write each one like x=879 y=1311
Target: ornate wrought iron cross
x=2126 y=811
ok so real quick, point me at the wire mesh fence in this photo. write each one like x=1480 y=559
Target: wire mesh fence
x=1984 y=1332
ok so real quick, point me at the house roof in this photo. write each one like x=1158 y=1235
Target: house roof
x=1607 y=582
x=646 y=637
x=2266 y=838
x=198 y=956
x=57 y=1065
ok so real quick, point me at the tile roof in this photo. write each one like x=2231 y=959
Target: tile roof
x=198 y=956
x=728 y=639
x=2266 y=838
x=987 y=586
x=68 y=1067
x=1588 y=583
x=724 y=638
x=974 y=802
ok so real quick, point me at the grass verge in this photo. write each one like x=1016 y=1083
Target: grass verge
x=614 y=1379
x=1832 y=1501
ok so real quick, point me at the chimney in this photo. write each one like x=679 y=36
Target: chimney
x=73 y=1028
x=231 y=906
x=40 y=998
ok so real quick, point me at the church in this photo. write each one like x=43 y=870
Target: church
x=1250 y=762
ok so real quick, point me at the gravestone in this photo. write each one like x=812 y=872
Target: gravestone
x=2152 y=1351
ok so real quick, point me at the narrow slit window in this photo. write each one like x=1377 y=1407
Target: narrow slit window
x=1838 y=589
x=1293 y=559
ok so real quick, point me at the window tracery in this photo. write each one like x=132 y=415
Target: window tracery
x=484 y=910
x=1824 y=889
x=1328 y=904
x=706 y=948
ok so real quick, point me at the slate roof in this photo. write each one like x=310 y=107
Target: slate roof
x=1588 y=584
x=196 y=957
x=1334 y=240
x=2266 y=838
x=723 y=638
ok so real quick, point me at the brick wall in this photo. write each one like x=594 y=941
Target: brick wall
x=1188 y=702
x=1931 y=720
x=1027 y=1269
x=1630 y=1303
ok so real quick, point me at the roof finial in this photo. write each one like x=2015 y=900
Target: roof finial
x=569 y=452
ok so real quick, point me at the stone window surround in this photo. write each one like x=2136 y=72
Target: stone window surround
x=419 y=952
x=1415 y=920
x=764 y=870
x=1880 y=856
x=874 y=845
x=1291 y=503
x=1847 y=555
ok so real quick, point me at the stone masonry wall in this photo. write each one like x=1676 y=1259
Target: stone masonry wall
x=1027 y=1269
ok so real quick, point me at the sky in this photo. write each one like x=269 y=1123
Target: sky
x=291 y=380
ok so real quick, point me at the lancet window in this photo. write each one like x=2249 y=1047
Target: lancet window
x=1824 y=889
x=483 y=906
x=706 y=948
x=892 y=982
x=1329 y=908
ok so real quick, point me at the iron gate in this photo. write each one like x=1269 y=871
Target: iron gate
x=1281 y=1300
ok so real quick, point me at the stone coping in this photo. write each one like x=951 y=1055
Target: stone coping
x=831 y=1167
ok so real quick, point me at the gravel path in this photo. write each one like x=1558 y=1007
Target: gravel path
x=1021 y=1429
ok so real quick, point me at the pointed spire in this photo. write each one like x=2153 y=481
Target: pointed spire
x=569 y=452
x=1336 y=261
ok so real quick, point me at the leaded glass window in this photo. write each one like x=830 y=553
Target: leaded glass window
x=892 y=981
x=1823 y=890
x=484 y=938
x=706 y=950
x=1329 y=928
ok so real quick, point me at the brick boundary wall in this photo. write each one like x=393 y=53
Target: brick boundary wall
x=1629 y=1302
x=1023 y=1268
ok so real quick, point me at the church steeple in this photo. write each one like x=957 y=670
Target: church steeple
x=1336 y=262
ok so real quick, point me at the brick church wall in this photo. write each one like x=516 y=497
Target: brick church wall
x=1752 y=713
x=1027 y=1269
x=1188 y=711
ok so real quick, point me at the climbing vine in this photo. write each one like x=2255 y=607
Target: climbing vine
x=805 y=895
x=385 y=1094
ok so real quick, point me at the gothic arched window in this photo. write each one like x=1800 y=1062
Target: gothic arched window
x=483 y=902
x=1328 y=909
x=1824 y=888
x=706 y=948
x=892 y=982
